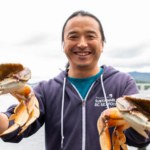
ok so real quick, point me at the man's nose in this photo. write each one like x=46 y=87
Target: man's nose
x=82 y=43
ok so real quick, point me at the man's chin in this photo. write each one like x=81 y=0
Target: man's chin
x=82 y=66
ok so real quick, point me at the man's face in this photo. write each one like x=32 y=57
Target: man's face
x=83 y=43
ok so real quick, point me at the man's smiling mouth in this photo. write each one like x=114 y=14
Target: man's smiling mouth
x=82 y=54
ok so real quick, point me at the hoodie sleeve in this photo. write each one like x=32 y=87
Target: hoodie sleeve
x=133 y=138
x=130 y=86
x=33 y=128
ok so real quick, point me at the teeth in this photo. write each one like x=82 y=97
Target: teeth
x=82 y=54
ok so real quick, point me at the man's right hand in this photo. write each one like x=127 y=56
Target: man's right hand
x=3 y=122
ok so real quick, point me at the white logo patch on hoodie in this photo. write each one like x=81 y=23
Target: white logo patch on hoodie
x=101 y=102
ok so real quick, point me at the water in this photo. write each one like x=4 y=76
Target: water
x=34 y=142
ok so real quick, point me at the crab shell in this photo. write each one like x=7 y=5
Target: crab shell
x=135 y=110
x=13 y=79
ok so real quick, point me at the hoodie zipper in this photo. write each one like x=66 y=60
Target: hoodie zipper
x=83 y=114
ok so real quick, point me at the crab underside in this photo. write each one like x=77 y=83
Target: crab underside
x=13 y=79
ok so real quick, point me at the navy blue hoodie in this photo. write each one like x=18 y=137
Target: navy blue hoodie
x=70 y=121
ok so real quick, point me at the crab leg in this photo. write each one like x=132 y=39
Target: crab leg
x=23 y=93
x=105 y=141
x=21 y=116
x=118 y=137
x=33 y=116
x=109 y=118
x=26 y=111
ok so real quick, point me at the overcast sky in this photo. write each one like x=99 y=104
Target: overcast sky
x=30 y=33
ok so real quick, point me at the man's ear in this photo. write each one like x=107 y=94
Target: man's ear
x=63 y=47
x=102 y=46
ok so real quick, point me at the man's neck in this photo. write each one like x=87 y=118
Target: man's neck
x=83 y=72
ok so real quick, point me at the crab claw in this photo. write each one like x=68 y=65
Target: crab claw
x=111 y=118
x=105 y=141
x=24 y=115
x=21 y=115
x=118 y=137
x=33 y=116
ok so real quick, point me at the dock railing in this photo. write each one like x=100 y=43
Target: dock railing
x=144 y=87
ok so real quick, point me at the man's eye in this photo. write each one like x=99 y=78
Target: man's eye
x=90 y=36
x=73 y=37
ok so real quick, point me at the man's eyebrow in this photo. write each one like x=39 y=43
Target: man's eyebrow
x=91 y=31
x=72 y=32
x=75 y=32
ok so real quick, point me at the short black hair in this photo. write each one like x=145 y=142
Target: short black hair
x=84 y=13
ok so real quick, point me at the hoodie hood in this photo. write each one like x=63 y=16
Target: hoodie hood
x=107 y=72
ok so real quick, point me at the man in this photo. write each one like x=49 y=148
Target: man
x=71 y=103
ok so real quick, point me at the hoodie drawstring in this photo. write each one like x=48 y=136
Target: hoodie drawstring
x=62 y=111
x=104 y=92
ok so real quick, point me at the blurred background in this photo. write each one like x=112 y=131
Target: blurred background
x=30 y=33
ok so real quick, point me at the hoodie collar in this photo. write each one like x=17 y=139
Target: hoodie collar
x=107 y=72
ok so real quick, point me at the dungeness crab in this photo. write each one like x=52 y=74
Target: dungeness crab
x=13 y=79
x=131 y=111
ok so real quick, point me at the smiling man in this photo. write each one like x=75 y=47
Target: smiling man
x=83 y=46
x=71 y=103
